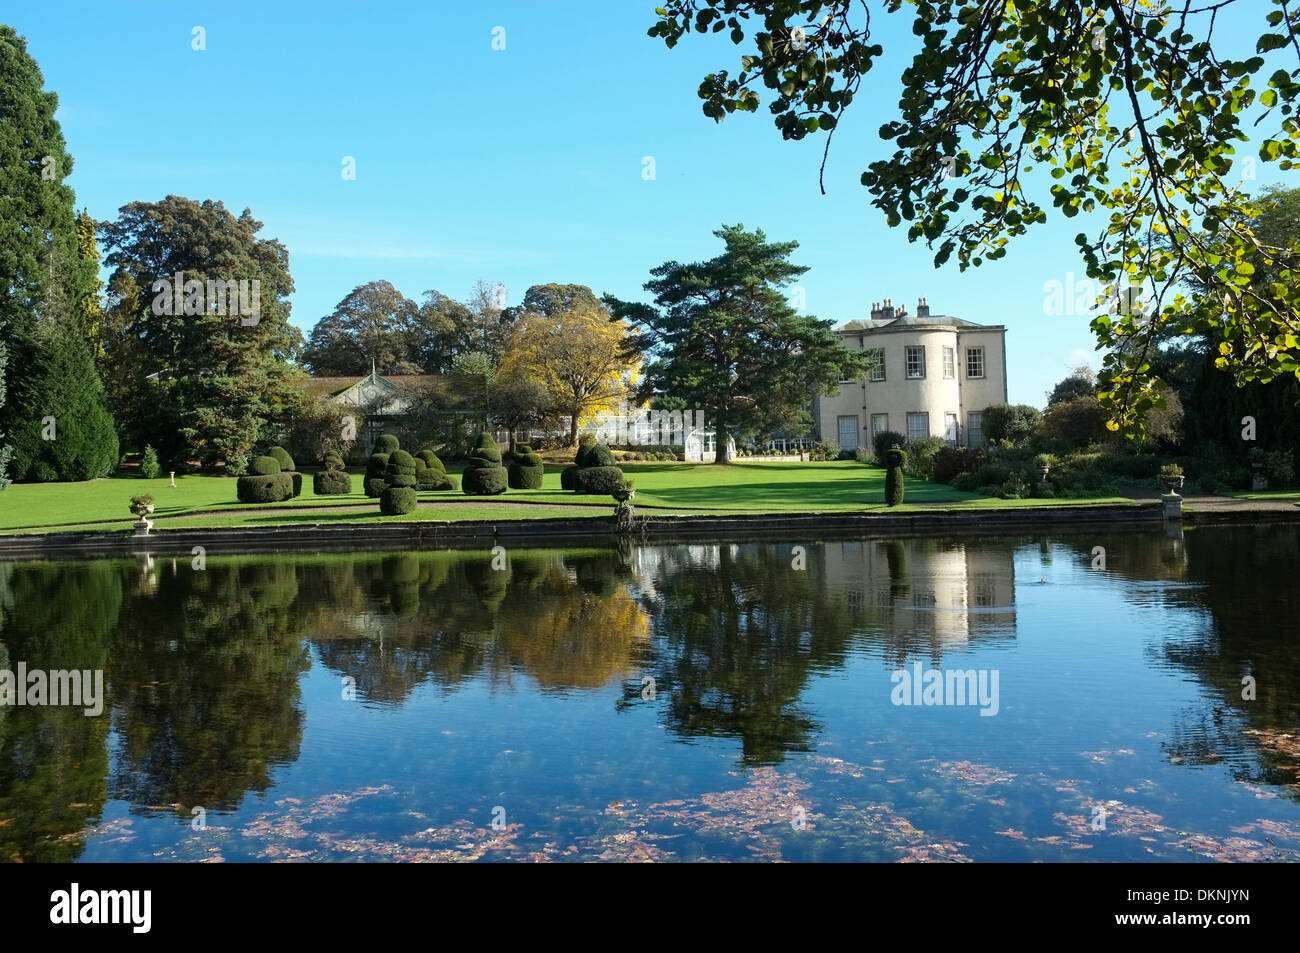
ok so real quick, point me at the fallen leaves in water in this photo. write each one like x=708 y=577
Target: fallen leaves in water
x=971 y=773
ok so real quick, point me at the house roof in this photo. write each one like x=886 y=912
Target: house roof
x=911 y=321
x=453 y=388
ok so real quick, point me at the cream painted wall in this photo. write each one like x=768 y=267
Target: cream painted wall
x=897 y=395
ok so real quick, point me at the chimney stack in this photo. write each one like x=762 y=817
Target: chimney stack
x=922 y=308
x=875 y=311
x=887 y=309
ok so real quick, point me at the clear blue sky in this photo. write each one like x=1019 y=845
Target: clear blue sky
x=522 y=166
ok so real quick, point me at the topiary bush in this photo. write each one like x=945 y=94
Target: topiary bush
x=386 y=443
x=895 y=461
x=149 y=467
x=376 y=469
x=282 y=457
x=602 y=480
x=526 y=469
x=398 y=497
x=883 y=441
x=333 y=479
x=484 y=475
x=566 y=477
x=263 y=466
x=430 y=474
x=295 y=478
x=264 y=488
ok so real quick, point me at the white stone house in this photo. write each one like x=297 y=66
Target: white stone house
x=935 y=374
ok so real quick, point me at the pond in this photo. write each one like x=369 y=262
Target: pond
x=1096 y=696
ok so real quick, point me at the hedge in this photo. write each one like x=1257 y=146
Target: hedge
x=386 y=443
x=526 y=469
x=566 y=477
x=296 y=478
x=264 y=488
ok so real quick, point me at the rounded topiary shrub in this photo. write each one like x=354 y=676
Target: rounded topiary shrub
x=386 y=443
x=331 y=482
x=264 y=488
x=375 y=474
x=895 y=460
x=431 y=460
x=602 y=480
x=398 y=496
x=282 y=457
x=566 y=477
x=296 y=478
x=484 y=475
x=526 y=469
x=263 y=466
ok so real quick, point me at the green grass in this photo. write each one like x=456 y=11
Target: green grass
x=661 y=489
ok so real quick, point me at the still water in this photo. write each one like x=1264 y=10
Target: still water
x=1141 y=701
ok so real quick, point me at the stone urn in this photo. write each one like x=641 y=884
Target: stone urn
x=142 y=507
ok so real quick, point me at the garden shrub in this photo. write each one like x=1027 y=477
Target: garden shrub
x=602 y=480
x=865 y=456
x=331 y=482
x=920 y=457
x=430 y=474
x=484 y=475
x=149 y=467
x=296 y=479
x=386 y=443
x=398 y=497
x=1077 y=422
x=376 y=469
x=237 y=464
x=282 y=457
x=895 y=461
x=566 y=477
x=264 y=466
x=882 y=442
x=526 y=469
x=952 y=462
x=264 y=488
x=1013 y=422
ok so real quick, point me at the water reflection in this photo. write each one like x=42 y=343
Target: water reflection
x=204 y=669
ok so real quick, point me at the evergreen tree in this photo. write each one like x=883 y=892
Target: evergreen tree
x=38 y=207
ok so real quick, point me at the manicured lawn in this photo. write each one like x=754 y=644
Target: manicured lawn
x=661 y=489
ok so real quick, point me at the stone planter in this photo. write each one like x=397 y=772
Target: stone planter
x=1173 y=484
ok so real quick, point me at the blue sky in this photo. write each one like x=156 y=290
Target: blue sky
x=522 y=166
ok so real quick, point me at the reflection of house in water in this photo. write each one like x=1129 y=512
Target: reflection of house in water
x=950 y=591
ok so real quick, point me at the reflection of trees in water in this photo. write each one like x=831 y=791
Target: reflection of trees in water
x=205 y=678
x=1241 y=602
x=560 y=618
x=54 y=760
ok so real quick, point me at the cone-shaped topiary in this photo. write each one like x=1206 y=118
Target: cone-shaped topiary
x=398 y=496
x=484 y=475
x=895 y=460
x=333 y=478
x=526 y=469
x=375 y=470
x=386 y=443
x=264 y=483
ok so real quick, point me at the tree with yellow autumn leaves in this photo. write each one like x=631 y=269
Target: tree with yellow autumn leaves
x=566 y=337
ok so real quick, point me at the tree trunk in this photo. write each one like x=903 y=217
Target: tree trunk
x=722 y=447
x=511 y=432
x=573 y=429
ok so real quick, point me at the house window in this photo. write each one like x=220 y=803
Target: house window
x=918 y=426
x=915 y=362
x=877 y=356
x=949 y=364
x=879 y=423
x=974 y=362
x=848 y=431
x=950 y=428
x=975 y=430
